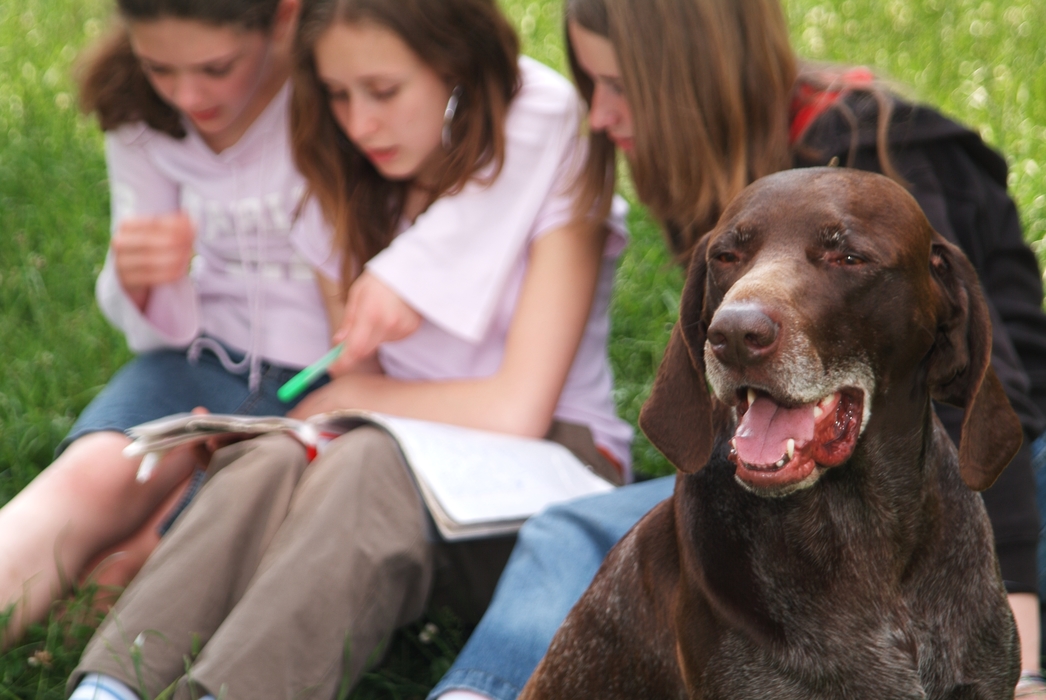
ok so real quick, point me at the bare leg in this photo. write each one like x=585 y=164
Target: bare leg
x=1026 y=613
x=114 y=567
x=286 y=574
x=87 y=500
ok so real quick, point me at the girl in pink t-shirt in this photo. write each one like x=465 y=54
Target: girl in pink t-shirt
x=201 y=276
x=407 y=117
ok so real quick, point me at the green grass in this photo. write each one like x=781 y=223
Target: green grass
x=981 y=61
x=53 y=217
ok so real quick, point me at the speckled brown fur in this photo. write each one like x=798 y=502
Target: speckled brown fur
x=877 y=581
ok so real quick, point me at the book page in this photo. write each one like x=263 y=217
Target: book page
x=181 y=424
x=474 y=482
x=478 y=476
x=159 y=436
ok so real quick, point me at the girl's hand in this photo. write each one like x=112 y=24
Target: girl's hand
x=543 y=338
x=205 y=449
x=152 y=250
x=331 y=397
x=374 y=314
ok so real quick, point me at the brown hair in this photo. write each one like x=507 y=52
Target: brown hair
x=112 y=82
x=470 y=44
x=710 y=104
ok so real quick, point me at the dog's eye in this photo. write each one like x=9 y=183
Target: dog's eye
x=726 y=257
x=845 y=259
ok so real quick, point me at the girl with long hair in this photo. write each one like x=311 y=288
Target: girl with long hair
x=284 y=578
x=201 y=277
x=703 y=97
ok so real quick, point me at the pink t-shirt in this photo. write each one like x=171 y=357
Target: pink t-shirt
x=461 y=264
x=248 y=286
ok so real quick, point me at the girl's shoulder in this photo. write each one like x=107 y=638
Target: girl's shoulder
x=543 y=90
x=911 y=126
x=134 y=134
x=137 y=142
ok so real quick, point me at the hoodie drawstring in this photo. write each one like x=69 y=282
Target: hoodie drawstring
x=255 y=292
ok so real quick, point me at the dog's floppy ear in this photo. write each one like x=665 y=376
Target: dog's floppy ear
x=960 y=370
x=677 y=418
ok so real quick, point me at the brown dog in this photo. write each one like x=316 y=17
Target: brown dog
x=824 y=539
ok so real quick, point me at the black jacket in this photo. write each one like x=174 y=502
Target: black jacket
x=960 y=183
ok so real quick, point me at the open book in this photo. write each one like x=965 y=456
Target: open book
x=475 y=483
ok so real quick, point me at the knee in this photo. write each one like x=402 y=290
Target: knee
x=554 y=526
x=359 y=444
x=364 y=466
x=268 y=453
x=588 y=526
x=366 y=452
x=92 y=468
x=604 y=519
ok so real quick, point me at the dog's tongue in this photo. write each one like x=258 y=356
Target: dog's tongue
x=764 y=430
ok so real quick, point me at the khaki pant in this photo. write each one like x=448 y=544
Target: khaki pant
x=286 y=577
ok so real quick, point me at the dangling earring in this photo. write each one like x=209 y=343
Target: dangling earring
x=448 y=115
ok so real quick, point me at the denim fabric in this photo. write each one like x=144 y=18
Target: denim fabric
x=557 y=554
x=163 y=382
x=1039 y=467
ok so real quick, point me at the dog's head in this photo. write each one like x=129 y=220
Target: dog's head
x=821 y=294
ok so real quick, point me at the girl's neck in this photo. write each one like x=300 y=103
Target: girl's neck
x=424 y=188
x=419 y=199
x=270 y=84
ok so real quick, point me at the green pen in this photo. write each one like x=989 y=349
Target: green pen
x=301 y=381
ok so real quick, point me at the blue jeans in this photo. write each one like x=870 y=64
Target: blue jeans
x=555 y=557
x=163 y=382
x=1038 y=465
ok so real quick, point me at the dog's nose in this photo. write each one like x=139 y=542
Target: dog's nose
x=742 y=334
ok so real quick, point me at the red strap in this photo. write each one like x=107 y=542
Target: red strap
x=311 y=449
x=809 y=103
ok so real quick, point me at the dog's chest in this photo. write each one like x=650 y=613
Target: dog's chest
x=916 y=655
x=873 y=666
x=797 y=626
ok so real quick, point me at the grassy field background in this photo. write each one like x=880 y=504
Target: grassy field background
x=982 y=62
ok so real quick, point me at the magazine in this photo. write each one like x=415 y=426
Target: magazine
x=475 y=483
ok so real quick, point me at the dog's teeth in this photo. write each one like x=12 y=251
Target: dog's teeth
x=781 y=462
x=790 y=448
x=819 y=407
x=751 y=396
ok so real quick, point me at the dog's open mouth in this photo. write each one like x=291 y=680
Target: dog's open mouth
x=776 y=446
